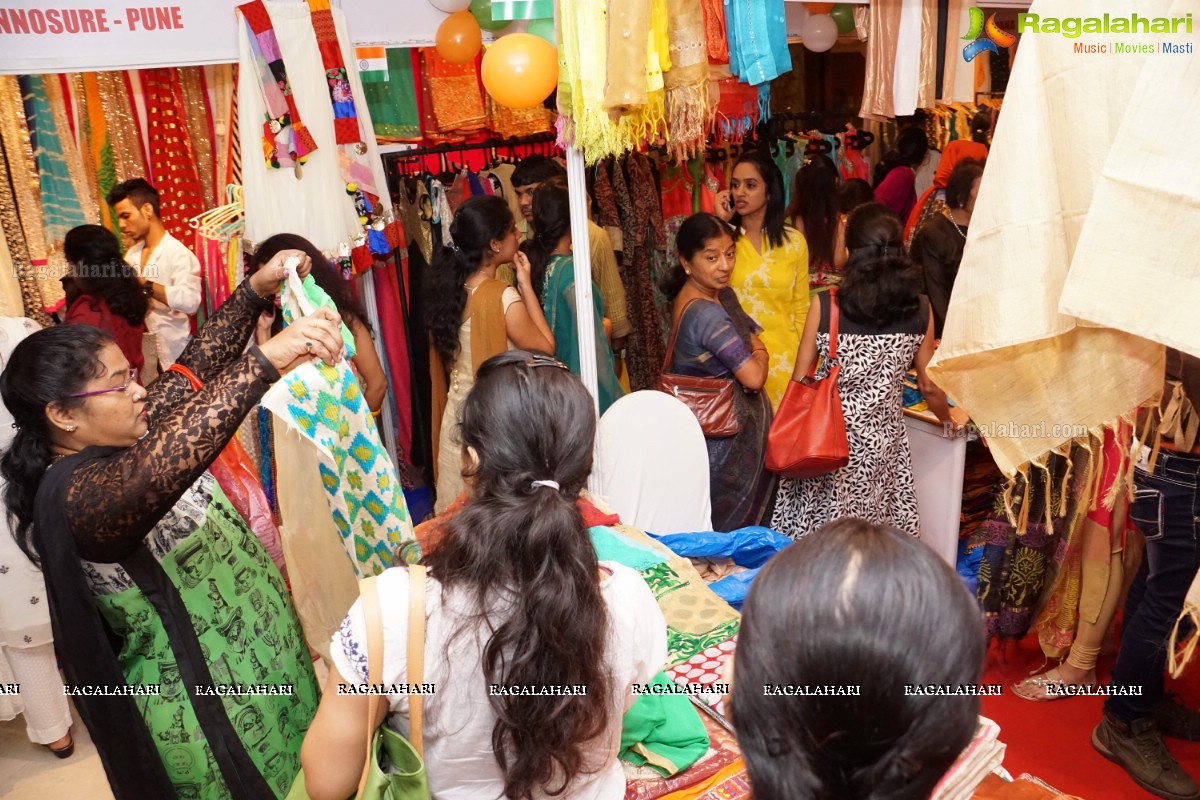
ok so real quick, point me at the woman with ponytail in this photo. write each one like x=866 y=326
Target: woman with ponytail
x=105 y=290
x=159 y=594
x=515 y=598
x=884 y=324
x=471 y=317
x=553 y=268
x=886 y=592
x=896 y=176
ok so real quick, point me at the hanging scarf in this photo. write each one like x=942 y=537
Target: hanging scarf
x=199 y=119
x=172 y=159
x=509 y=122
x=286 y=142
x=61 y=206
x=47 y=263
x=393 y=103
x=10 y=226
x=688 y=111
x=457 y=103
x=758 y=51
x=715 y=38
x=737 y=110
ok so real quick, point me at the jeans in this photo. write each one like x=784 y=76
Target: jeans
x=1166 y=508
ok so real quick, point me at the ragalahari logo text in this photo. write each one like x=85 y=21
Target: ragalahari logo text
x=985 y=37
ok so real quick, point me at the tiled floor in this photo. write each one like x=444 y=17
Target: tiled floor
x=30 y=772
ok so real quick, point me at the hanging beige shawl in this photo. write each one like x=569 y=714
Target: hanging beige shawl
x=689 y=112
x=1142 y=231
x=1009 y=355
x=883 y=29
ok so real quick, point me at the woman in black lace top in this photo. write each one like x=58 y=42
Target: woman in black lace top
x=166 y=610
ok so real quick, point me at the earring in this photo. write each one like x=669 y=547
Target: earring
x=70 y=429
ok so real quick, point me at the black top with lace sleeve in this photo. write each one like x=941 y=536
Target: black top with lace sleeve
x=112 y=503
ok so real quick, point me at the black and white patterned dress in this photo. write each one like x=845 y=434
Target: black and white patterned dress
x=877 y=485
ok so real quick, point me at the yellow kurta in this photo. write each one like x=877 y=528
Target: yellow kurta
x=773 y=289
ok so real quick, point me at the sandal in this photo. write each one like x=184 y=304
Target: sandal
x=1037 y=688
x=63 y=752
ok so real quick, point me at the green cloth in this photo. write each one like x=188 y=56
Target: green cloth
x=318 y=298
x=612 y=546
x=663 y=731
x=393 y=103
x=558 y=301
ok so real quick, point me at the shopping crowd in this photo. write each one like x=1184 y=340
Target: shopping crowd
x=150 y=575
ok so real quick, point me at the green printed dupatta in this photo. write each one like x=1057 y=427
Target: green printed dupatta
x=196 y=608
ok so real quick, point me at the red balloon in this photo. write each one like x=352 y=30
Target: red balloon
x=819 y=8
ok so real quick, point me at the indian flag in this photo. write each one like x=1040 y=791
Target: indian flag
x=372 y=64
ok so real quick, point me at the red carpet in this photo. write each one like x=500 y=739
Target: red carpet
x=1052 y=741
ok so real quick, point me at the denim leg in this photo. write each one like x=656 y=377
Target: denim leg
x=1165 y=510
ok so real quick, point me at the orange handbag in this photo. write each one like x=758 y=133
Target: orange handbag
x=808 y=435
x=710 y=399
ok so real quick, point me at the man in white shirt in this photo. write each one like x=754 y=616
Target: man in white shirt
x=168 y=271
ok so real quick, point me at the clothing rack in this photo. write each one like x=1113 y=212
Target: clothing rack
x=392 y=161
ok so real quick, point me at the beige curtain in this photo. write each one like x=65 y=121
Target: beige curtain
x=1010 y=356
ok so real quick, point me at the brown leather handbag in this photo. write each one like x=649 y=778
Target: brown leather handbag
x=710 y=399
x=808 y=435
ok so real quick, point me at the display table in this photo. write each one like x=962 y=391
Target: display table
x=938 y=463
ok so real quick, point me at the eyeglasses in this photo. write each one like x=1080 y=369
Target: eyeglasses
x=132 y=379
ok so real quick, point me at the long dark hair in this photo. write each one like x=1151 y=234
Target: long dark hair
x=815 y=202
x=899 y=617
x=962 y=178
x=324 y=273
x=529 y=419
x=478 y=222
x=695 y=232
x=911 y=148
x=880 y=285
x=774 y=221
x=43 y=369
x=98 y=270
x=551 y=222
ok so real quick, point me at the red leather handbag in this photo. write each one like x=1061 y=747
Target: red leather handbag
x=710 y=399
x=808 y=435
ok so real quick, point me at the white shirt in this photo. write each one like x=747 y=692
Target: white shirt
x=172 y=265
x=458 y=718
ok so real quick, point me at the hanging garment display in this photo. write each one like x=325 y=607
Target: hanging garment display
x=313 y=199
x=198 y=116
x=454 y=96
x=758 y=51
x=1007 y=332
x=325 y=404
x=393 y=102
x=18 y=252
x=62 y=208
x=173 y=162
x=689 y=112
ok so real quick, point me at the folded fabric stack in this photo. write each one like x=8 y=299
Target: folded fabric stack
x=983 y=756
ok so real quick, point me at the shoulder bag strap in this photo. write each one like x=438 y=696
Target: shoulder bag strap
x=833 y=323
x=374 y=620
x=197 y=384
x=416 y=655
x=666 y=367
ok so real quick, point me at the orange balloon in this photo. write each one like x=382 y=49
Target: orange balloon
x=459 y=38
x=520 y=70
x=819 y=8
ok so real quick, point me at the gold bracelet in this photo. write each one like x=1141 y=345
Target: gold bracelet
x=377 y=413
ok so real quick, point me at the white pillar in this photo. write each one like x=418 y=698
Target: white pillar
x=582 y=253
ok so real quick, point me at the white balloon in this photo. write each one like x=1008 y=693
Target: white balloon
x=819 y=32
x=450 y=6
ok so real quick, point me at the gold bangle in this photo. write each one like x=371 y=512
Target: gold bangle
x=377 y=413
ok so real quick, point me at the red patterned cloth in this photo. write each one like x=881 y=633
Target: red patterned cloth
x=172 y=160
x=706 y=667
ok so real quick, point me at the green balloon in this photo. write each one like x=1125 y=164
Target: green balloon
x=842 y=14
x=482 y=11
x=543 y=28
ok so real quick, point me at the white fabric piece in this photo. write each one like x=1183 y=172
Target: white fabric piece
x=1008 y=357
x=907 y=77
x=458 y=717
x=1142 y=231
x=47 y=714
x=963 y=88
x=654 y=464
x=315 y=204
x=177 y=269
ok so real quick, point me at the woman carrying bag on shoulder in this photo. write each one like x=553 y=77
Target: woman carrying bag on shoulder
x=520 y=618
x=883 y=324
x=714 y=339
